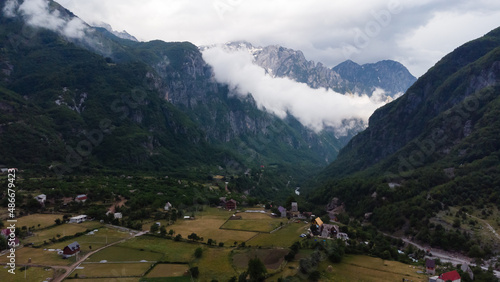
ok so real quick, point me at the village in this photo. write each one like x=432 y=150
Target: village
x=54 y=247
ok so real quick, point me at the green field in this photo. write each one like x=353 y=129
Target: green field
x=38 y=256
x=207 y=225
x=284 y=237
x=215 y=264
x=124 y=254
x=272 y=258
x=168 y=270
x=173 y=251
x=34 y=274
x=34 y=219
x=100 y=238
x=61 y=230
x=101 y=270
x=254 y=222
x=364 y=268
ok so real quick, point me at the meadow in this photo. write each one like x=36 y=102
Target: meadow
x=168 y=270
x=44 y=220
x=62 y=230
x=32 y=274
x=109 y=270
x=124 y=254
x=172 y=251
x=257 y=222
x=284 y=237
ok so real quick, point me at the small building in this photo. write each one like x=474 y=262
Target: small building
x=282 y=211
x=318 y=221
x=78 y=219
x=41 y=198
x=71 y=250
x=81 y=198
x=466 y=269
x=295 y=207
x=6 y=234
x=168 y=206
x=452 y=276
x=430 y=266
x=118 y=215
x=231 y=205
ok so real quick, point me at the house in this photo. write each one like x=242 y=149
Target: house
x=430 y=266
x=282 y=211
x=81 y=198
x=41 y=198
x=118 y=215
x=452 y=276
x=71 y=250
x=329 y=231
x=6 y=234
x=295 y=207
x=231 y=205
x=466 y=269
x=168 y=206
x=318 y=221
x=78 y=219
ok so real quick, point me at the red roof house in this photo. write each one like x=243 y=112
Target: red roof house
x=71 y=250
x=449 y=276
x=81 y=198
x=231 y=205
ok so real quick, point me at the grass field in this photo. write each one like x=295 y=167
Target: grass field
x=215 y=264
x=168 y=270
x=173 y=251
x=101 y=270
x=34 y=219
x=38 y=256
x=100 y=238
x=35 y=274
x=207 y=225
x=62 y=230
x=364 y=268
x=254 y=222
x=117 y=279
x=284 y=237
x=272 y=258
x=124 y=254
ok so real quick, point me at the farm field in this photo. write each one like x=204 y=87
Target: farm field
x=34 y=274
x=168 y=270
x=62 y=230
x=103 y=270
x=258 y=222
x=38 y=256
x=207 y=225
x=117 y=279
x=124 y=254
x=44 y=220
x=173 y=251
x=272 y=258
x=95 y=241
x=284 y=237
x=215 y=264
x=364 y=268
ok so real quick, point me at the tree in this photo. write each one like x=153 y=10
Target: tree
x=198 y=252
x=193 y=236
x=154 y=228
x=256 y=269
x=178 y=237
x=195 y=272
x=163 y=231
x=58 y=221
x=209 y=241
x=221 y=244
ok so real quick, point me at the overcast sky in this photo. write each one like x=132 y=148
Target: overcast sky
x=415 y=33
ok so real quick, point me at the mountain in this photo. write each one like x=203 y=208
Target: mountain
x=121 y=34
x=431 y=153
x=347 y=77
x=78 y=99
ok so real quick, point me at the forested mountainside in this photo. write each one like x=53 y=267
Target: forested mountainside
x=432 y=153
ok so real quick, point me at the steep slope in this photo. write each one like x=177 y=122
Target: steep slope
x=97 y=102
x=435 y=147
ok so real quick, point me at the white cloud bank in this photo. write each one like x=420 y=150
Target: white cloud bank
x=37 y=13
x=314 y=108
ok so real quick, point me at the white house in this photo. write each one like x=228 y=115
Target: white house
x=78 y=219
x=118 y=215
x=41 y=198
x=168 y=206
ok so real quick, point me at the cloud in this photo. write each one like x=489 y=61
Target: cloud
x=314 y=108
x=37 y=13
x=322 y=29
